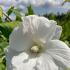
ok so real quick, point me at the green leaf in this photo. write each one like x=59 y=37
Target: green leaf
x=67 y=0
x=0 y=60
x=67 y=30
x=18 y=15
x=0 y=20
x=6 y=28
x=10 y=10
x=3 y=44
x=1 y=12
x=2 y=66
x=30 y=11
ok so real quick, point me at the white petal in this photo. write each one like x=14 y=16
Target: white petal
x=19 y=61
x=33 y=28
x=60 y=53
x=40 y=27
x=20 y=40
x=57 y=32
x=45 y=62
x=24 y=64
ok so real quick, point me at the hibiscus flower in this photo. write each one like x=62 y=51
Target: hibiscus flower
x=35 y=45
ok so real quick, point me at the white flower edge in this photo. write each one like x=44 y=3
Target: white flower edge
x=43 y=31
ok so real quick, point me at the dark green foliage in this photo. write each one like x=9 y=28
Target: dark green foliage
x=6 y=28
x=10 y=10
x=18 y=15
x=3 y=44
x=0 y=20
x=30 y=11
x=16 y=12
x=1 y=14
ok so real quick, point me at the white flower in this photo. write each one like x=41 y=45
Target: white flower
x=35 y=45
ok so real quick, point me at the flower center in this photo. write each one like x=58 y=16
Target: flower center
x=36 y=49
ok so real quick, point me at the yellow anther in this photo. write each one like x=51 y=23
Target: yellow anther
x=35 y=49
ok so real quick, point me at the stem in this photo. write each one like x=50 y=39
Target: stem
x=7 y=16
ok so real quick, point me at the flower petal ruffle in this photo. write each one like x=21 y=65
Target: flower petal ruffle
x=41 y=28
x=19 y=61
x=20 y=40
x=60 y=53
x=45 y=62
x=58 y=32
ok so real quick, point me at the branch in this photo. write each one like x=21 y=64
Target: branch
x=7 y=16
